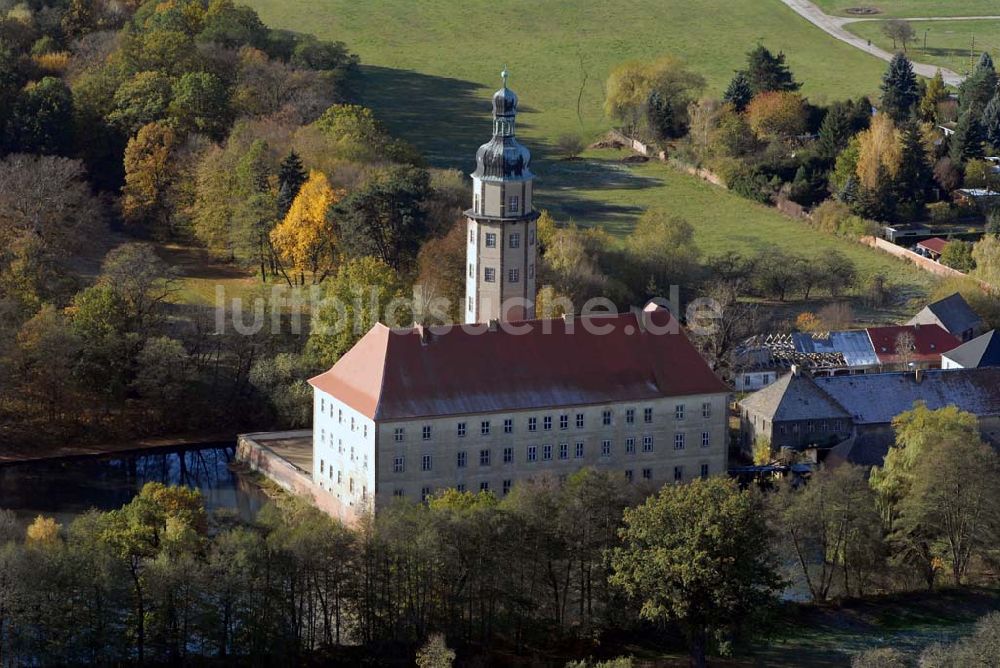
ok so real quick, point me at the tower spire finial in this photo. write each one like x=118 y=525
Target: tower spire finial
x=504 y=75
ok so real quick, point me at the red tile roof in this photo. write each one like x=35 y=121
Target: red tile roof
x=935 y=244
x=393 y=374
x=929 y=342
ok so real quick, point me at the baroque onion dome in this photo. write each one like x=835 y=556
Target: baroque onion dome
x=502 y=158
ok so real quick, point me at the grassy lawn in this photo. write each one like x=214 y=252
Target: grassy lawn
x=949 y=43
x=430 y=69
x=914 y=8
x=601 y=190
x=432 y=65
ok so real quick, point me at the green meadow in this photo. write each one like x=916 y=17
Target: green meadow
x=914 y=8
x=952 y=44
x=430 y=68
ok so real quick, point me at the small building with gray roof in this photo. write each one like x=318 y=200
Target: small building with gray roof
x=952 y=313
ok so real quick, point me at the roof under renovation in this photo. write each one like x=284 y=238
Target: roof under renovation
x=393 y=374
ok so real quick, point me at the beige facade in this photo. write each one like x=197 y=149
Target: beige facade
x=684 y=438
x=500 y=277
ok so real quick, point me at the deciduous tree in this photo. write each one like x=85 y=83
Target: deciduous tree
x=307 y=239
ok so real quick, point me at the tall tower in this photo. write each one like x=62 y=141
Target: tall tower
x=502 y=244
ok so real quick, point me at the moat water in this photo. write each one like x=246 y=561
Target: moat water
x=66 y=488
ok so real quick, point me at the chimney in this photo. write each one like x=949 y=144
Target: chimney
x=795 y=369
x=494 y=325
x=918 y=375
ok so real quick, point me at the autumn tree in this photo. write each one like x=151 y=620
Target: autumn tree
x=777 y=114
x=441 y=274
x=307 y=239
x=949 y=510
x=879 y=148
x=149 y=173
x=627 y=91
x=934 y=94
x=957 y=254
x=900 y=92
x=986 y=255
x=705 y=576
x=662 y=251
x=672 y=88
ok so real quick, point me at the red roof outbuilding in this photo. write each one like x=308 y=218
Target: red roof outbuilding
x=929 y=341
x=394 y=374
x=934 y=244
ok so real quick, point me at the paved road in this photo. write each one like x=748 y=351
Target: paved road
x=834 y=25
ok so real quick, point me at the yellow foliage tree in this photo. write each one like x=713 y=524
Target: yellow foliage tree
x=43 y=532
x=808 y=322
x=879 y=146
x=306 y=238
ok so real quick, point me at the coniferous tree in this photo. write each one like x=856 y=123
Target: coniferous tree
x=967 y=142
x=900 y=91
x=766 y=72
x=291 y=177
x=915 y=174
x=991 y=121
x=836 y=130
x=739 y=92
x=980 y=86
x=879 y=201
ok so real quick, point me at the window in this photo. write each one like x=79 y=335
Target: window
x=647 y=443
x=490 y=275
x=547 y=422
x=513 y=275
x=322 y=466
x=352 y=424
x=472 y=270
x=475 y=205
x=515 y=239
x=531 y=237
x=546 y=453
x=399 y=434
x=508 y=426
x=579 y=420
x=424 y=493
x=630 y=445
x=647 y=415
x=491 y=240
x=679 y=412
x=350 y=485
x=484 y=428
x=564 y=451
x=484 y=457
x=508 y=455
x=322 y=435
x=678 y=473
x=647 y=474
x=812 y=426
x=484 y=486
x=460 y=459
x=628 y=475
x=398 y=493
x=425 y=463
x=605 y=448
x=678 y=441
x=469 y=299
x=352 y=453
x=461 y=429
x=532 y=424
x=322 y=405
x=365 y=434
x=630 y=416
x=472 y=235
x=823 y=426
x=532 y=453
x=506 y=486
x=512 y=203
x=606 y=418
x=460 y=487
x=704 y=471
x=564 y=422
x=340 y=476
x=531 y=270
x=398 y=465
x=340 y=416
x=426 y=435
x=706 y=439
x=706 y=410
x=364 y=491
x=579 y=451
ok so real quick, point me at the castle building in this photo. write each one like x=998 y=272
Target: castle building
x=502 y=244
x=410 y=411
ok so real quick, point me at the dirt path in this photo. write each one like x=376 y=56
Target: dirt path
x=834 y=25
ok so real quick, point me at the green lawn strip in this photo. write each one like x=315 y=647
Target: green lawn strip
x=949 y=43
x=913 y=8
